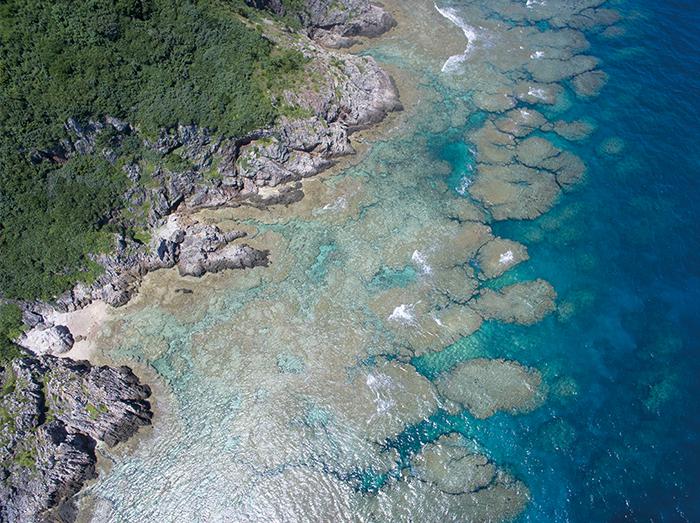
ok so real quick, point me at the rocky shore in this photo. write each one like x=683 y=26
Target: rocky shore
x=55 y=411
x=342 y=94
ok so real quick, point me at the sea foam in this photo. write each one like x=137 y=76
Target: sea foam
x=453 y=62
x=419 y=259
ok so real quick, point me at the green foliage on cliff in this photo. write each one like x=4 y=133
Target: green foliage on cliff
x=153 y=63
x=10 y=328
x=51 y=219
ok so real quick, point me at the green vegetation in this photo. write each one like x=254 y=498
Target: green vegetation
x=153 y=63
x=95 y=411
x=26 y=458
x=10 y=328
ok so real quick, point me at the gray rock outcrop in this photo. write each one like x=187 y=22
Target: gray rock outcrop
x=53 y=412
x=350 y=93
x=335 y=23
x=47 y=339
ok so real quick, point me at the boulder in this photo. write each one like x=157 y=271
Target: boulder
x=47 y=339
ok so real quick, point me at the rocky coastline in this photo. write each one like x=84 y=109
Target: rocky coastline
x=56 y=411
x=349 y=93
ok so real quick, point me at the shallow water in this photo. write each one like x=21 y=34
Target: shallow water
x=315 y=389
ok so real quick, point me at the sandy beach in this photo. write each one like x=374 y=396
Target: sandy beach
x=85 y=325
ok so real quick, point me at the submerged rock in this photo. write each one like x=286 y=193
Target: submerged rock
x=54 y=413
x=524 y=303
x=590 y=83
x=515 y=191
x=403 y=500
x=573 y=131
x=452 y=467
x=485 y=387
x=520 y=122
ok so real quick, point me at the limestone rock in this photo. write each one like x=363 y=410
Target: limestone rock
x=524 y=303
x=57 y=410
x=47 y=339
x=452 y=467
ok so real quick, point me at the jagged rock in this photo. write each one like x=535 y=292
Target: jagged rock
x=106 y=403
x=353 y=93
x=369 y=94
x=64 y=461
x=56 y=412
x=206 y=249
x=47 y=339
x=340 y=18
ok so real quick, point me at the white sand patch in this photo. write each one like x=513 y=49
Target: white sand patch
x=84 y=325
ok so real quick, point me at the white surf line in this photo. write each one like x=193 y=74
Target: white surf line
x=453 y=62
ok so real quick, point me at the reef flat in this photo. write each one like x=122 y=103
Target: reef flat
x=51 y=428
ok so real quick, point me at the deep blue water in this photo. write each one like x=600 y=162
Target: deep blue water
x=620 y=440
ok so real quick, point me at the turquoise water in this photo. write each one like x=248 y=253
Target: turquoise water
x=309 y=390
x=625 y=249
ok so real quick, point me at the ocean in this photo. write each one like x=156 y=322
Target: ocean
x=299 y=392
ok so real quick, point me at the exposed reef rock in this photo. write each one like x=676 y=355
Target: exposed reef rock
x=524 y=303
x=500 y=255
x=335 y=23
x=450 y=482
x=486 y=386
x=53 y=412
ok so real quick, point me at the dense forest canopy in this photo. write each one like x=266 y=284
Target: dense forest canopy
x=153 y=63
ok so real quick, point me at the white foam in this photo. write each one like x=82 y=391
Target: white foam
x=453 y=62
x=419 y=259
x=506 y=257
x=404 y=314
x=537 y=92
x=340 y=203
x=378 y=383
x=532 y=3
x=464 y=184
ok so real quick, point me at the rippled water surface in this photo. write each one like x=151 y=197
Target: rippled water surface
x=401 y=358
